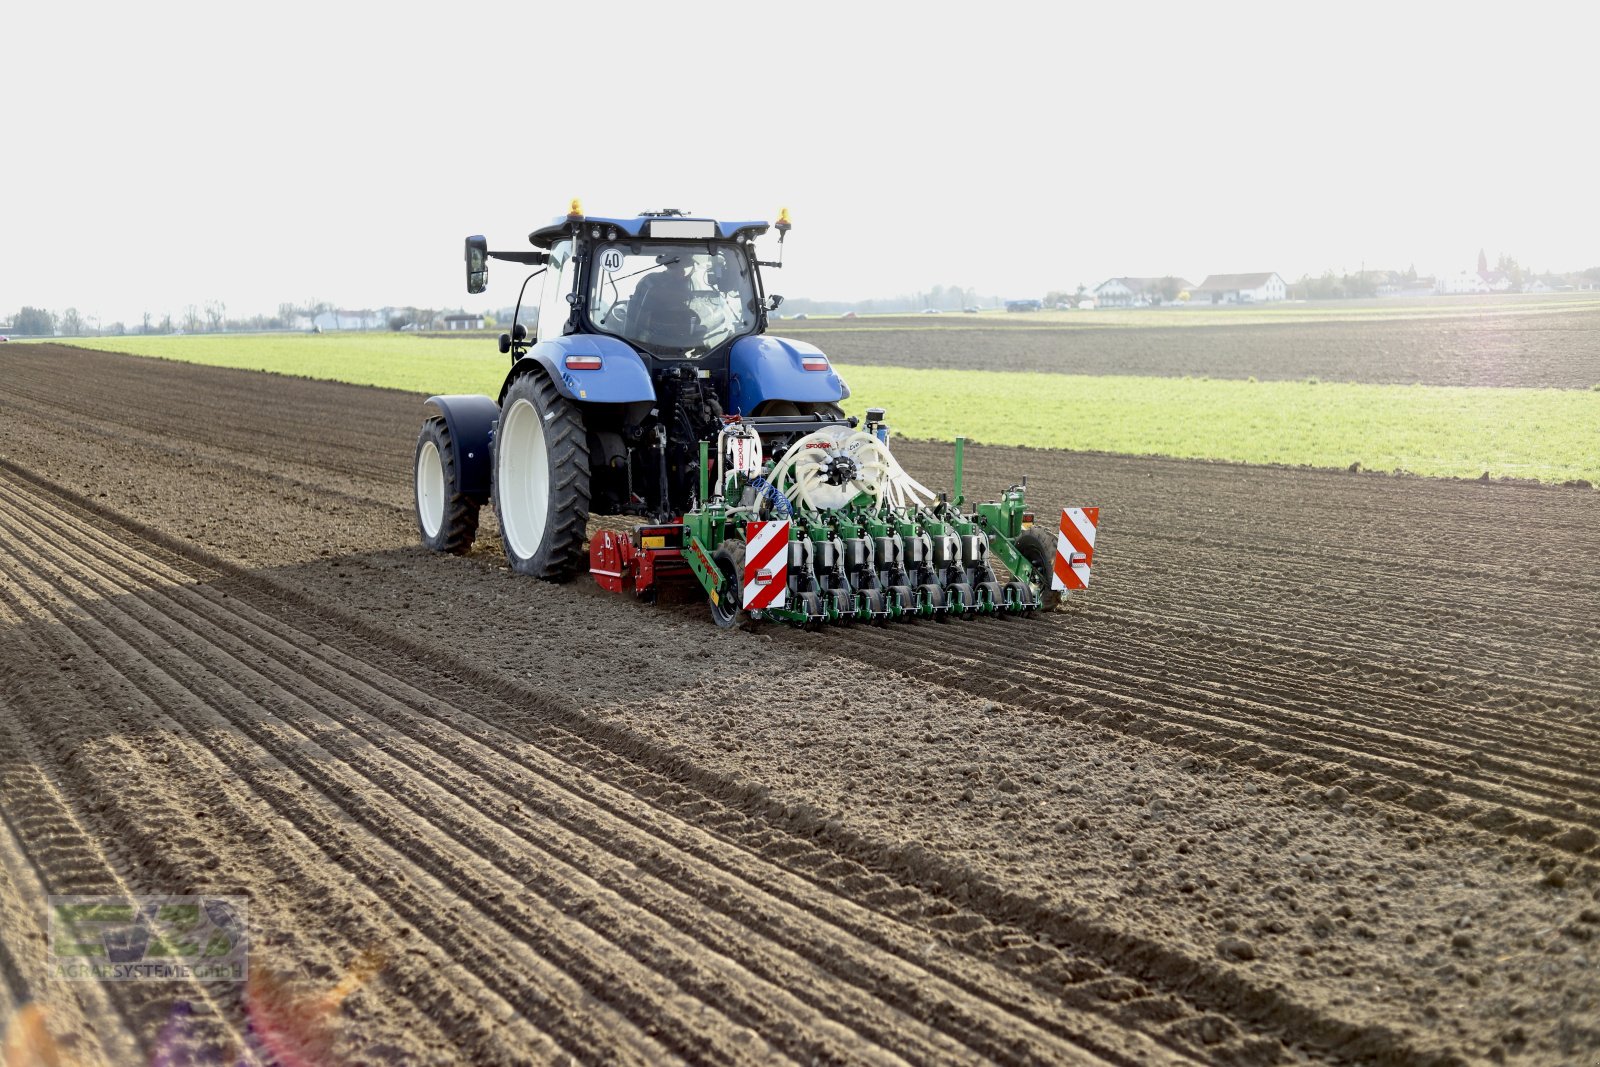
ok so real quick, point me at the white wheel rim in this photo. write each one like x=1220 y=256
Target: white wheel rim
x=430 y=489
x=524 y=479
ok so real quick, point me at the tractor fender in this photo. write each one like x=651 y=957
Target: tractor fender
x=762 y=368
x=621 y=377
x=471 y=421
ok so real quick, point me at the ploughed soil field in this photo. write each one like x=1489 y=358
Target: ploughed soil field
x=1552 y=347
x=1311 y=774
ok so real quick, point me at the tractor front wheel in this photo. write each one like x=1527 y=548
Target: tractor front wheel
x=541 y=479
x=446 y=517
x=1040 y=552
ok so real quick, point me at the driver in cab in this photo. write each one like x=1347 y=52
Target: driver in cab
x=662 y=311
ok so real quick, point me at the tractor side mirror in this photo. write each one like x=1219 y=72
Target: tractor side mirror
x=477 y=264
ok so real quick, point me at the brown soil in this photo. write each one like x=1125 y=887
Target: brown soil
x=1559 y=348
x=1311 y=774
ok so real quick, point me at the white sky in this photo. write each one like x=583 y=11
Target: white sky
x=154 y=155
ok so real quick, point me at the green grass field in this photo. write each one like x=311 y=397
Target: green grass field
x=1545 y=434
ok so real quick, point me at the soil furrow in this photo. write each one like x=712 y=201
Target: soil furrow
x=1283 y=702
x=163 y=690
x=1117 y=703
x=1197 y=979
x=465 y=828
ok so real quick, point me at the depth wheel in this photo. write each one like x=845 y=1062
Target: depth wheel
x=727 y=609
x=995 y=595
x=872 y=600
x=541 y=479
x=933 y=596
x=844 y=606
x=811 y=604
x=1040 y=552
x=962 y=600
x=446 y=519
x=900 y=597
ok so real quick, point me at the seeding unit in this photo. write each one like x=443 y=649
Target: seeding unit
x=652 y=389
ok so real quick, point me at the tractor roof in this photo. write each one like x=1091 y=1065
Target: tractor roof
x=661 y=225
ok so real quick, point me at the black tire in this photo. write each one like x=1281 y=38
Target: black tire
x=533 y=416
x=935 y=597
x=872 y=599
x=900 y=596
x=1023 y=594
x=811 y=604
x=995 y=595
x=844 y=606
x=727 y=611
x=1040 y=551
x=961 y=592
x=453 y=512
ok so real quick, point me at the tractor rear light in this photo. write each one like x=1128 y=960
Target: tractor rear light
x=814 y=362
x=583 y=362
x=1027 y=520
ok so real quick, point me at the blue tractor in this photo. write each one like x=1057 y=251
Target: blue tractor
x=651 y=388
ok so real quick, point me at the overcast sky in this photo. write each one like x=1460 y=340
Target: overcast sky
x=157 y=154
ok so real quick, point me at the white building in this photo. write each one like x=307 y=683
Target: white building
x=1466 y=281
x=1239 y=289
x=1138 y=292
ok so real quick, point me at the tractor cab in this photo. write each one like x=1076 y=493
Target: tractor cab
x=671 y=286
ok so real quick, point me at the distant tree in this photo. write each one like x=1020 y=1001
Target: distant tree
x=216 y=315
x=287 y=314
x=116 y=329
x=191 y=319
x=145 y=328
x=71 y=323
x=34 y=322
x=1058 y=298
x=1168 y=288
x=166 y=323
x=1511 y=269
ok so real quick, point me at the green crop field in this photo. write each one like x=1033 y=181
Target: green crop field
x=1545 y=434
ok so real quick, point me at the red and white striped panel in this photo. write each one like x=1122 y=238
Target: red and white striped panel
x=1075 y=548
x=766 y=564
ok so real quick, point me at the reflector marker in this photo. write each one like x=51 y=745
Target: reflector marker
x=766 y=564
x=1075 y=548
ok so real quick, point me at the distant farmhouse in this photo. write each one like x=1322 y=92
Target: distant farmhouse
x=1483 y=280
x=1239 y=289
x=463 y=322
x=1462 y=282
x=1138 y=292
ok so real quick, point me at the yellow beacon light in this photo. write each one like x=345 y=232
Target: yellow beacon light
x=576 y=211
x=783 y=218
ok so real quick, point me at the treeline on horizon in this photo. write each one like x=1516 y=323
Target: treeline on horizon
x=212 y=317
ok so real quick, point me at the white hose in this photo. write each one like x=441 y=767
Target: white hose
x=878 y=474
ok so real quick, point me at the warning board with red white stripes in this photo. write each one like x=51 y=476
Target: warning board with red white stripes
x=766 y=564
x=1075 y=548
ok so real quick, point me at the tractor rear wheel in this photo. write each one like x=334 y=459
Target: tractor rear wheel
x=1040 y=551
x=541 y=479
x=446 y=518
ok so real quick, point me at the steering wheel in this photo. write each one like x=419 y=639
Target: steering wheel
x=618 y=313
